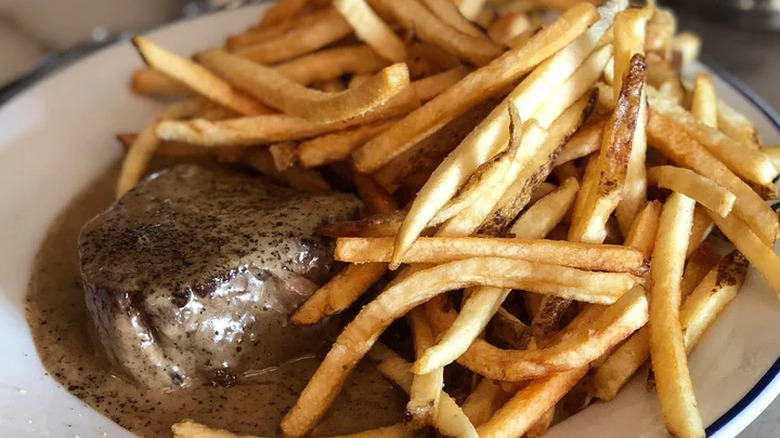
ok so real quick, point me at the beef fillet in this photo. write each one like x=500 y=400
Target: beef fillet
x=190 y=277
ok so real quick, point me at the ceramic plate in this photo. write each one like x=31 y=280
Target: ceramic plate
x=58 y=135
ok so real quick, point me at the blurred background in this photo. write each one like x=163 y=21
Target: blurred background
x=740 y=37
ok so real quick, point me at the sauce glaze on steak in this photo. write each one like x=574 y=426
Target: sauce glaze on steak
x=190 y=276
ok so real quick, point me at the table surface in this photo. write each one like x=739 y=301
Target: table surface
x=754 y=58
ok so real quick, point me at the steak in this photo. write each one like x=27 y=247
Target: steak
x=190 y=276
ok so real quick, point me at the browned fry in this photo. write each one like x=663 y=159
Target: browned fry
x=589 y=256
x=275 y=90
x=378 y=225
x=256 y=35
x=603 y=198
x=586 y=141
x=546 y=213
x=667 y=348
x=197 y=78
x=431 y=86
x=332 y=64
x=579 y=397
x=448 y=13
x=190 y=429
x=508 y=328
x=737 y=126
x=477 y=86
x=529 y=404
x=698 y=265
x=306 y=180
x=280 y=11
x=376 y=198
x=486 y=399
x=283 y=155
x=703 y=190
x=371 y=29
x=427 y=27
x=274 y=128
x=426 y=59
x=358 y=337
x=154 y=83
x=665 y=135
x=298 y=41
x=507 y=27
x=565 y=171
x=426 y=388
x=337 y=146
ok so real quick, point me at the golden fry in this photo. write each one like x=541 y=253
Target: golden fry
x=332 y=64
x=704 y=105
x=426 y=388
x=337 y=146
x=154 y=83
x=703 y=190
x=371 y=29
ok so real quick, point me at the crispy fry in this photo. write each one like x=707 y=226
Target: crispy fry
x=337 y=146
x=541 y=425
x=589 y=256
x=371 y=29
x=702 y=226
x=641 y=236
x=329 y=28
x=283 y=155
x=190 y=429
x=449 y=420
x=298 y=178
x=667 y=350
x=688 y=45
x=705 y=104
x=612 y=161
x=509 y=26
x=197 y=78
x=546 y=213
x=737 y=126
x=274 y=128
x=703 y=190
x=586 y=141
x=427 y=27
x=146 y=143
x=280 y=11
x=667 y=136
x=486 y=399
x=272 y=88
x=332 y=63
x=426 y=388
x=750 y=164
x=448 y=13
x=431 y=86
x=761 y=256
x=358 y=337
x=698 y=265
x=255 y=35
x=474 y=88
x=154 y=83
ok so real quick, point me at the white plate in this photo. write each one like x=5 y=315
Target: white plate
x=59 y=135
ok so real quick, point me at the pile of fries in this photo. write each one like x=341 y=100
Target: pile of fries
x=549 y=161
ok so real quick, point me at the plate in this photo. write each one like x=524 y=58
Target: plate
x=59 y=135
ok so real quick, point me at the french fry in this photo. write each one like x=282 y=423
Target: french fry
x=750 y=164
x=773 y=152
x=280 y=11
x=256 y=35
x=668 y=137
x=431 y=86
x=737 y=126
x=697 y=313
x=667 y=349
x=191 y=429
x=306 y=180
x=146 y=143
x=688 y=45
x=275 y=128
x=660 y=30
x=426 y=388
x=154 y=83
x=371 y=29
x=748 y=243
x=702 y=226
x=327 y=29
x=541 y=425
x=530 y=403
x=168 y=149
x=698 y=265
x=586 y=141
x=477 y=86
x=701 y=189
x=377 y=225
x=448 y=13
x=470 y=9
x=283 y=155
x=332 y=63
x=704 y=105
x=486 y=399
x=508 y=328
x=427 y=27
x=337 y=146
x=358 y=337
x=546 y=213
x=508 y=26
x=641 y=236
x=197 y=78
x=612 y=162
x=275 y=90
x=449 y=420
